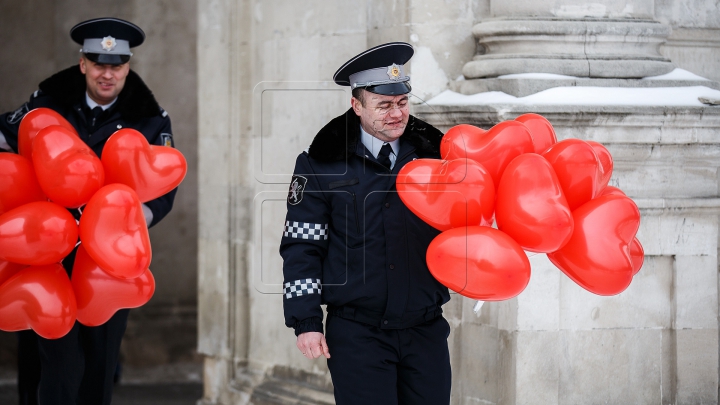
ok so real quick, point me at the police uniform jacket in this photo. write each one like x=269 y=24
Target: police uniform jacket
x=349 y=241
x=135 y=108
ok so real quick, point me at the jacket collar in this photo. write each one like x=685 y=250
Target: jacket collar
x=338 y=139
x=134 y=102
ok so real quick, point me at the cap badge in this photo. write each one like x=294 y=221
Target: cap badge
x=393 y=72
x=108 y=43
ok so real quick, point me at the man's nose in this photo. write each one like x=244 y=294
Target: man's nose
x=107 y=73
x=395 y=111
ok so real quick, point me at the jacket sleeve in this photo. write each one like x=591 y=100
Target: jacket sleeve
x=162 y=205
x=303 y=248
x=10 y=124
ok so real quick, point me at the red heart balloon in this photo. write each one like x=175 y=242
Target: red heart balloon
x=606 y=161
x=9 y=269
x=578 y=169
x=494 y=149
x=456 y=140
x=100 y=295
x=447 y=194
x=479 y=262
x=542 y=132
x=18 y=184
x=38 y=298
x=531 y=207
x=610 y=190
x=637 y=254
x=33 y=122
x=37 y=233
x=67 y=169
x=150 y=170
x=597 y=257
x=114 y=232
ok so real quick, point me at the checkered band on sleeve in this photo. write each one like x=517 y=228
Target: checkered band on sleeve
x=305 y=286
x=304 y=230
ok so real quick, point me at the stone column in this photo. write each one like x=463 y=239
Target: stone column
x=601 y=39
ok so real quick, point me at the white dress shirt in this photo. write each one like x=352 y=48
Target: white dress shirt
x=373 y=145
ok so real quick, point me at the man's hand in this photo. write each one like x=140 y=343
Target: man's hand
x=313 y=345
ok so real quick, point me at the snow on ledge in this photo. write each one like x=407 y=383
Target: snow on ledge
x=609 y=96
x=677 y=74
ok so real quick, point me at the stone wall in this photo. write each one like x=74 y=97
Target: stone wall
x=36 y=42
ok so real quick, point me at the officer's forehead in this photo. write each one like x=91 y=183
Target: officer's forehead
x=380 y=98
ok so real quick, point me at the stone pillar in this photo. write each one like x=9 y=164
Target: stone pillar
x=602 y=39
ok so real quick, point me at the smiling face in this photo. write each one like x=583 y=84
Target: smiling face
x=104 y=82
x=383 y=117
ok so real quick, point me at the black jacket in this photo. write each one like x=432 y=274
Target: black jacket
x=349 y=241
x=135 y=108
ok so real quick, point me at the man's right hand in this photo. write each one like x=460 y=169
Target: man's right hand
x=313 y=345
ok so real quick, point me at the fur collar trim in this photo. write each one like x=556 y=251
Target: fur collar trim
x=135 y=101
x=338 y=139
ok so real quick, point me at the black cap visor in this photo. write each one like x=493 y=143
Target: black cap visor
x=107 y=59
x=391 y=89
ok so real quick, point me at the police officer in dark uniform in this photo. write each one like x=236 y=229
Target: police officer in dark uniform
x=98 y=97
x=349 y=242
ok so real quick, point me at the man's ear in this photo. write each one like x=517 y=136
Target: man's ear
x=356 y=105
x=83 y=68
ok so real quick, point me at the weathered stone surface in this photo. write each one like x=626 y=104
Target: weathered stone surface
x=610 y=366
x=645 y=304
x=538 y=370
x=696 y=296
x=697 y=362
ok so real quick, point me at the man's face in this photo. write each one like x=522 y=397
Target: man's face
x=383 y=117
x=104 y=82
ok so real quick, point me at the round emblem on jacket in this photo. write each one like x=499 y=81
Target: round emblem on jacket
x=297 y=186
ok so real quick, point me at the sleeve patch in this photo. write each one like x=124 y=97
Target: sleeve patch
x=302 y=287
x=18 y=115
x=304 y=230
x=167 y=140
x=297 y=187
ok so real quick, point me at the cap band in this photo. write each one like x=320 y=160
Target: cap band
x=107 y=45
x=377 y=76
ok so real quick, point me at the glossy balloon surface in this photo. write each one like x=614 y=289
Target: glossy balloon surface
x=479 y=262
x=150 y=170
x=18 y=184
x=447 y=194
x=578 y=170
x=542 y=132
x=637 y=255
x=531 y=206
x=67 y=169
x=494 y=148
x=457 y=140
x=114 y=232
x=33 y=122
x=38 y=298
x=100 y=295
x=610 y=190
x=606 y=161
x=9 y=269
x=37 y=233
x=597 y=257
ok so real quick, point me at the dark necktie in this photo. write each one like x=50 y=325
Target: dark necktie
x=384 y=155
x=94 y=114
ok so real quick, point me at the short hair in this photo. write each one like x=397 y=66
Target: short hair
x=359 y=94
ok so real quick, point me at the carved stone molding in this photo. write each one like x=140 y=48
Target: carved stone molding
x=589 y=47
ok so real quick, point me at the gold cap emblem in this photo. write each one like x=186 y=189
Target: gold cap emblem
x=393 y=72
x=108 y=43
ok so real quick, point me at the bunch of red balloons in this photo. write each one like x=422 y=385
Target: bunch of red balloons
x=55 y=170
x=544 y=196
